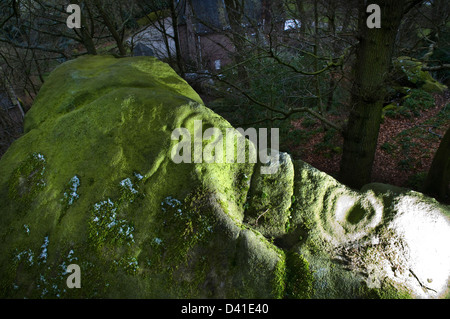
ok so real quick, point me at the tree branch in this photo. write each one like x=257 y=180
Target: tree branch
x=436 y=68
x=31 y=47
x=284 y=114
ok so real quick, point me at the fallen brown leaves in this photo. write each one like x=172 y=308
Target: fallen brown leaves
x=394 y=166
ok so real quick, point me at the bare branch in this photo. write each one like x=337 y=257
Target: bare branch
x=285 y=114
x=436 y=68
x=34 y=47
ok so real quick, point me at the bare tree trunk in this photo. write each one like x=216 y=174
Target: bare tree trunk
x=334 y=45
x=166 y=37
x=173 y=13
x=86 y=33
x=316 y=58
x=302 y=16
x=193 y=54
x=12 y=95
x=110 y=25
x=235 y=11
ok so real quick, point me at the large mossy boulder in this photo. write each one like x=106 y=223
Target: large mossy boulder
x=92 y=183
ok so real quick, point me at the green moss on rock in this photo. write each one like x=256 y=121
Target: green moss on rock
x=28 y=178
x=299 y=278
x=92 y=182
x=357 y=241
x=269 y=199
x=106 y=185
x=409 y=73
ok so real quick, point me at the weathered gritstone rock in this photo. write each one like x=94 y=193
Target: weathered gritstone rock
x=270 y=197
x=93 y=179
x=92 y=183
x=391 y=240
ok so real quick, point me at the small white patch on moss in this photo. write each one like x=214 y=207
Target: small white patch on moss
x=126 y=231
x=138 y=176
x=132 y=265
x=100 y=205
x=40 y=158
x=44 y=253
x=72 y=195
x=43 y=282
x=128 y=185
x=106 y=222
x=70 y=259
x=26 y=255
x=27 y=229
x=172 y=202
x=70 y=256
x=129 y=264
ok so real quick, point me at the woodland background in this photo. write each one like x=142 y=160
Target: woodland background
x=344 y=96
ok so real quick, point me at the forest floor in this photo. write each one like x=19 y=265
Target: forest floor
x=405 y=149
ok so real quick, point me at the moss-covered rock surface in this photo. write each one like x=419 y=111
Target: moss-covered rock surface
x=408 y=72
x=92 y=183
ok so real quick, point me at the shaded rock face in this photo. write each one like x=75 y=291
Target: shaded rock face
x=92 y=183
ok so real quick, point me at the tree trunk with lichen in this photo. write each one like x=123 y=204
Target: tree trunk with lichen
x=373 y=62
x=235 y=11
